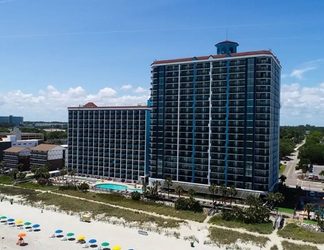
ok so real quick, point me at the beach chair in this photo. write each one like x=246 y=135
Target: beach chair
x=52 y=236
x=64 y=239
x=86 y=245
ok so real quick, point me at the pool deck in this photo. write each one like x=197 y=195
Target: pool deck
x=95 y=181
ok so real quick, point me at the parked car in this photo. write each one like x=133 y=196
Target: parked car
x=310 y=176
x=312 y=193
x=315 y=177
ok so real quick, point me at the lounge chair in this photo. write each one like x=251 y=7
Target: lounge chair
x=86 y=246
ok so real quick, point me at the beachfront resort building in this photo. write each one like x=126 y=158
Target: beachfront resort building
x=14 y=156
x=109 y=142
x=50 y=155
x=215 y=119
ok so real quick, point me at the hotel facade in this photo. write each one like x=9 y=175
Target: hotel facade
x=215 y=119
x=109 y=142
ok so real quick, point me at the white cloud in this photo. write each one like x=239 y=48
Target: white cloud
x=141 y=90
x=126 y=87
x=298 y=73
x=51 y=103
x=301 y=105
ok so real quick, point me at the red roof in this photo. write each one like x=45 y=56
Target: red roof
x=240 y=54
x=108 y=107
x=90 y=105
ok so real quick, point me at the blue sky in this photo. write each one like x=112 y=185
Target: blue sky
x=61 y=53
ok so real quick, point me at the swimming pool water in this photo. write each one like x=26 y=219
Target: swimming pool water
x=117 y=187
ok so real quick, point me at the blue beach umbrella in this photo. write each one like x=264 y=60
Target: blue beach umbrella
x=11 y=220
x=92 y=241
x=58 y=231
x=36 y=226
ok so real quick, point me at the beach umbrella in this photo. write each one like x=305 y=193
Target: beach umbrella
x=81 y=237
x=19 y=221
x=11 y=220
x=116 y=248
x=3 y=217
x=36 y=226
x=92 y=241
x=58 y=231
x=105 y=244
x=70 y=234
x=21 y=235
x=27 y=223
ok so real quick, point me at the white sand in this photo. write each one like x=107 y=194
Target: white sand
x=101 y=231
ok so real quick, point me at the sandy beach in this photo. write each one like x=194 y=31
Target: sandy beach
x=50 y=221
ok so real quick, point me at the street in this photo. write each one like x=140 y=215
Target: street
x=292 y=175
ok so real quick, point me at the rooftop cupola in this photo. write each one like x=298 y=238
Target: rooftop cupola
x=226 y=47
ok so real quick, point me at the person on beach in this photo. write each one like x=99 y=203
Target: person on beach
x=20 y=241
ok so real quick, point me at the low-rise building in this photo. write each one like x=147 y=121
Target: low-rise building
x=47 y=154
x=14 y=156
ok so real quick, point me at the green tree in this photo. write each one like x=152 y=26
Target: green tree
x=136 y=196
x=72 y=173
x=21 y=167
x=213 y=190
x=63 y=172
x=191 y=192
x=321 y=174
x=223 y=190
x=179 y=190
x=273 y=199
x=168 y=182
x=232 y=192
x=41 y=172
x=21 y=175
x=309 y=207
x=84 y=187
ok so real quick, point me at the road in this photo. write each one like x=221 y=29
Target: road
x=292 y=174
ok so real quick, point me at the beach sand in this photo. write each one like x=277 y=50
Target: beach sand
x=51 y=221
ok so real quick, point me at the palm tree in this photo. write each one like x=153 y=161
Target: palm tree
x=179 y=190
x=63 y=172
x=251 y=200
x=191 y=192
x=232 y=192
x=72 y=173
x=309 y=208
x=168 y=182
x=213 y=189
x=223 y=191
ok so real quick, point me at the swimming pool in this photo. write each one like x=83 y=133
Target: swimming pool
x=118 y=187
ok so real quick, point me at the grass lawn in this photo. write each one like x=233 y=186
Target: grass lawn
x=225 y=236
x=265 y=228
x=310 y=222
x=292 y=246
x=293 y=231
x=286 y=210
x=6 y=179
x=117 y=199
x=282 y=169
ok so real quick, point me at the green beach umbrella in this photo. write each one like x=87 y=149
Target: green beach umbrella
x=27 y=223
x=70 y=234
x=3 y=217
x=105 y=244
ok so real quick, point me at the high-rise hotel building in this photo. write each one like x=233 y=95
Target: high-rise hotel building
x=215 y=119
x=109 y=141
